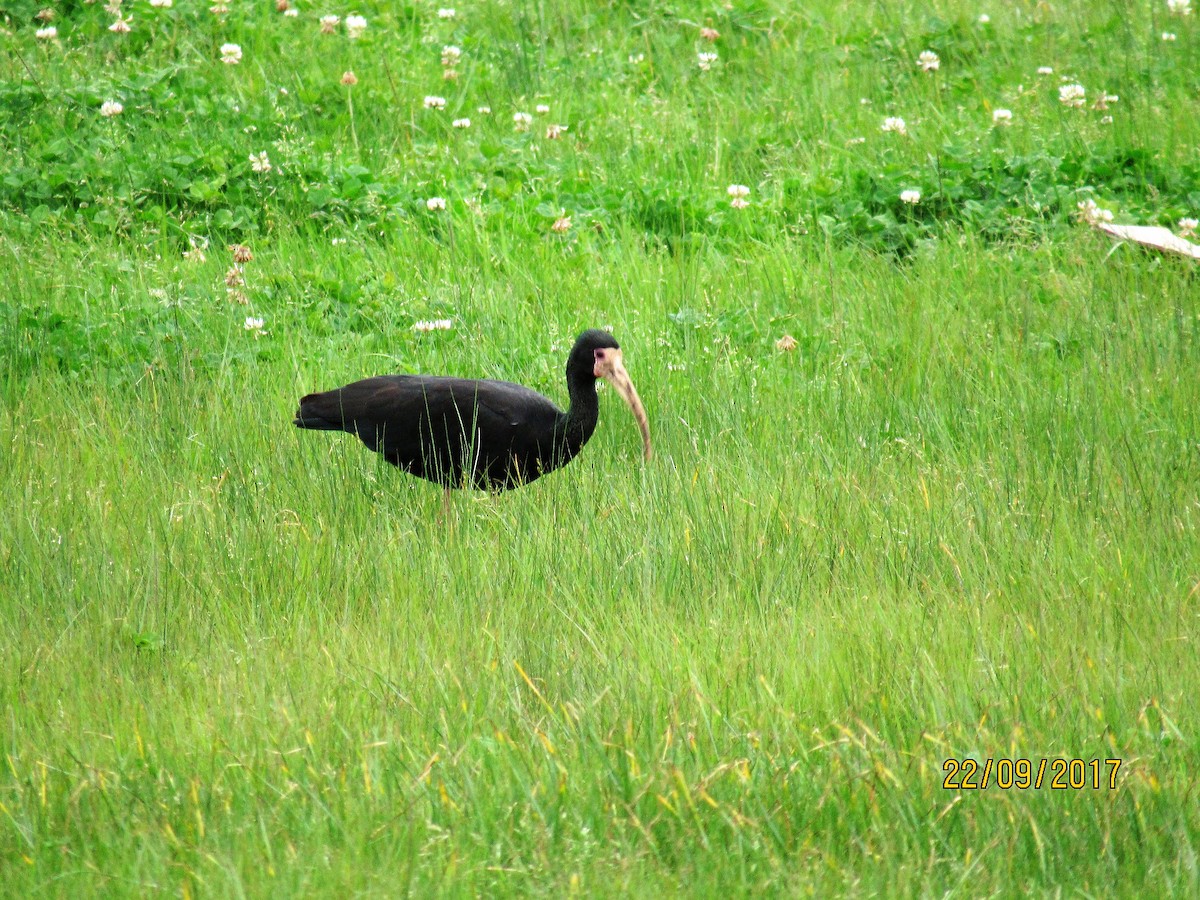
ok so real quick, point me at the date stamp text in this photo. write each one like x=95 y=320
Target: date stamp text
x=969 y=774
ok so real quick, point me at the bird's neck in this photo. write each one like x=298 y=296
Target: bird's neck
x=581 y=416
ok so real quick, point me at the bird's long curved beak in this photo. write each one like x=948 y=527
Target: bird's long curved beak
x=611 y=369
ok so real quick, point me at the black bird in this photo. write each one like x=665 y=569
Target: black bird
x=485 y=434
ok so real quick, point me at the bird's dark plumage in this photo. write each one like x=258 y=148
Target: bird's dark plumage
x=464 y=433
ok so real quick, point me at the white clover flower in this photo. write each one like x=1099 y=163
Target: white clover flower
x=110 y=108
x=1106 y=120
x=1045 y=70
x=433 y=204
x=984 y=19
x=739 y=203
x=434 y=102
x=737 y=190
x=484 y=110
x=1091 y=213
x=1168 y=36
x=329 y=24
x=291 y=12
x=355 y=26
x=349 y=78
x=554 y=132
x=705 y=60
x=231 y=54
x=1187 y=227
x=928 y=61
x=220 y=8
x=1072 y=95
x=709 y=34
x=434 y=325
x=912 y=196
x=541 y=109
x=447 y=13
x=894 y=123
x=522 y=120
x=1179 y=7
x=260 y=163
x=162 y=4
x=122 y=25
x=253 y=323
x=451 y=55
x=1002 y=116
x=461 y=123
x=48 y=33
x=636 y=58
x=561 y=225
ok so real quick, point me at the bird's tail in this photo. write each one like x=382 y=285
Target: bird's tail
x=313 y=414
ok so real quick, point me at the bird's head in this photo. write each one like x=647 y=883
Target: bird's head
x=597 y=353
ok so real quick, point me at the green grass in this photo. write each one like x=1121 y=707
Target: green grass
x=960 y=519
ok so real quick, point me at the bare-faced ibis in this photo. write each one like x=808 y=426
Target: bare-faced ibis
x=486 y=434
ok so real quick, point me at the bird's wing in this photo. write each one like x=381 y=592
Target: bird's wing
x=391 y=413
x=504 y=403
x=517 y=429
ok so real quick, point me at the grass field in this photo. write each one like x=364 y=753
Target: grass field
x=958 y=519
